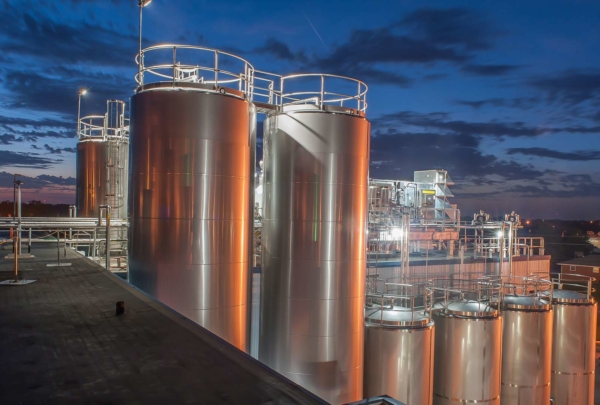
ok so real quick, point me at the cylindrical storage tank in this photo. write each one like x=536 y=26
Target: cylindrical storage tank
x=399 y=355
x=573 y=348
x=315 y=185
x=91 y=177
x=190 y=202
x=526 y=350
x=468 y=354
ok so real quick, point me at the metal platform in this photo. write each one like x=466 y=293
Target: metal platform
x=62 y=343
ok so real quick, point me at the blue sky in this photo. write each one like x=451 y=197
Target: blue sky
x=503 y=95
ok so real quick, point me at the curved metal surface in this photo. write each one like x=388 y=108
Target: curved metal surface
x=526 y=356
x=189 y=206
x=399 y=363
x=468 y=360
x=573 y=354
x=313 y=250
x=91 y=177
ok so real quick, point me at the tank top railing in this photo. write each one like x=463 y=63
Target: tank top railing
x=483 y=290
x=323 y=90
x=94 y=128
x=91 y=127
x=409 y=299
x=175 y=71
x=324 y=95
x=575 y=282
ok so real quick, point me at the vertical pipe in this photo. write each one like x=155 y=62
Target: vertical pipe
x=29 y=244
x=16 y=260
x=140 y=73
x=252 y=135
x=58 y=245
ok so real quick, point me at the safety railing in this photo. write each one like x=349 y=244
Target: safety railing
x=407 y=298
x=94 y=128
x=324 y=95
x=483 y=290
x=91 y=127
x=529 y=246
x=267 y=87
x=196 y=68
x=317 y=89
x=575 y=282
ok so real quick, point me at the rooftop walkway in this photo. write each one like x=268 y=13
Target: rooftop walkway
x=61 y=342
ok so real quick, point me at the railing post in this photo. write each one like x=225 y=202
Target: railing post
x=174 y=64
x=216 y=69
x=322 y=91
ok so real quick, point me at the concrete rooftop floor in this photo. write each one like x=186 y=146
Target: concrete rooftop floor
x=62 y=343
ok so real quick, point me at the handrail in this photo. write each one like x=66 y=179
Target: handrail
x=322 y=97
x=177 y=72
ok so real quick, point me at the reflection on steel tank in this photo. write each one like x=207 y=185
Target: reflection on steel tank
x=316 y=159
x=190 y=189
x=102 y=161
x=468 y=353
x=399 y=344
x=574 y=347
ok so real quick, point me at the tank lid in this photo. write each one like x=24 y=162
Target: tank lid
x=525 y=303
x=571 y=297
x=399 y=316
x=468 y=308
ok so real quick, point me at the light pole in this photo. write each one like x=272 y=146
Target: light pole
x=141 y=4
x=81 y=93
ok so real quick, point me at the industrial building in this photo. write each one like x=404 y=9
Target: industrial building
x=348 y=286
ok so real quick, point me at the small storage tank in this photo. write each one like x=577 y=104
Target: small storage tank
x=191 y=182
x=91 y=176
x=468 y=353
x=573 y=348
x=102 y=162
x=316 y=160
x=526 y=350
x=399 y=345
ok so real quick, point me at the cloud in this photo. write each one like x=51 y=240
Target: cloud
x=39 y=182
x=6 y=139
x=29 y=160
x=570 y=87
x=452 y=27
x=425 y=36
x=56 y=89
x=279 y=50
x=58 y=151
x=488 y=70
x=581 y=156
x=442 y=122
x=398 y=155
x=36 y=35
x=518 y=102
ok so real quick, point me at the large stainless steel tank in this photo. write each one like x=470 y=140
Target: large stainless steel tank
x=313 y=248
x=468 y=354
x=526 y=350
x=399 y=355
x=91 y=177
x=189 y=203
x=573 y=348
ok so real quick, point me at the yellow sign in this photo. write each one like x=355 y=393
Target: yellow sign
x=430 y=192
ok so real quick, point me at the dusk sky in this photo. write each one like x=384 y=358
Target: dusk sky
x=503 y=95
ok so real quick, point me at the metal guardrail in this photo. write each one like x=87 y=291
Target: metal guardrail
x=271 y=88
x=214 y=74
